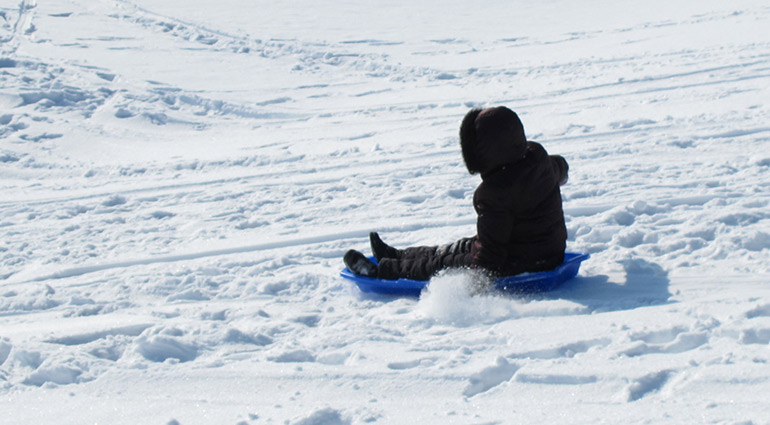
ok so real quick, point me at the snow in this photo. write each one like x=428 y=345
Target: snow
x=180 y=180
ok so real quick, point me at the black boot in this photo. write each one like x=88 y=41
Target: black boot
x=359 y=264
x=380 y=249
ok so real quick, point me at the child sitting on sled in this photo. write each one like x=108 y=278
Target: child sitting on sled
x=520 y=222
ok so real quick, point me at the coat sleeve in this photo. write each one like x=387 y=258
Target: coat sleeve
x=493 y=225
x=560 y=169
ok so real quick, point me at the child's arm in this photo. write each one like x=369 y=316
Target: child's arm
x=560 y=169
x=559 y=165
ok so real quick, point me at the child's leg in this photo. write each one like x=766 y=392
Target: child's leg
x=412 y=268
x=359 y=264
x=461 y=246
x=380 y=249
x=421 y=263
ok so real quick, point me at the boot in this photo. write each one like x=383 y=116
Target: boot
x=380 y=249
x=359 y=264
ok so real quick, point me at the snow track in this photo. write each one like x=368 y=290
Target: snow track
x=181 y=179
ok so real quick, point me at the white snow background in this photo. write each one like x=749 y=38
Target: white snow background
x=181 y=178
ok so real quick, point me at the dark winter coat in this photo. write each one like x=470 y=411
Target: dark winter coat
x=520 y=224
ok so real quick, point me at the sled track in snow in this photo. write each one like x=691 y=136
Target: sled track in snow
x=307 y=53
x=361 y=233
x=287 y=243
x=23 y=20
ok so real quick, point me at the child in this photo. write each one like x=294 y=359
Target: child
x=520 y=221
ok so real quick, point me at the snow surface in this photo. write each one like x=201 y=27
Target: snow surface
x=180 y=180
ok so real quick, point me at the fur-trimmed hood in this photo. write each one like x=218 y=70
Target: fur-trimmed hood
x=491 y=138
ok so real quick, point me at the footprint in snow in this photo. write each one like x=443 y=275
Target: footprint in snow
x=411 y=364
x=623 y=125
x=490 y=377
x=59 y=375
x=685 y=341
x=415 y=199
x=327 y=416
x=5 y=349
x=159 y=348
x=567 y=350
x=759 y=311
x=160 y=215
x=295 y=356
x=646 y=385
x=114 y=201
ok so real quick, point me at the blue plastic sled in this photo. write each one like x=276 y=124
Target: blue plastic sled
x=525 y=283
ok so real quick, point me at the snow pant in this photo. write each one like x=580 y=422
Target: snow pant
x=421 y=263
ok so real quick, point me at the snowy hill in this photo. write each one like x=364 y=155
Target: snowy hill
x=180 y=181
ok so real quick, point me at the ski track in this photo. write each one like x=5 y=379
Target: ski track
x=136 y=258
